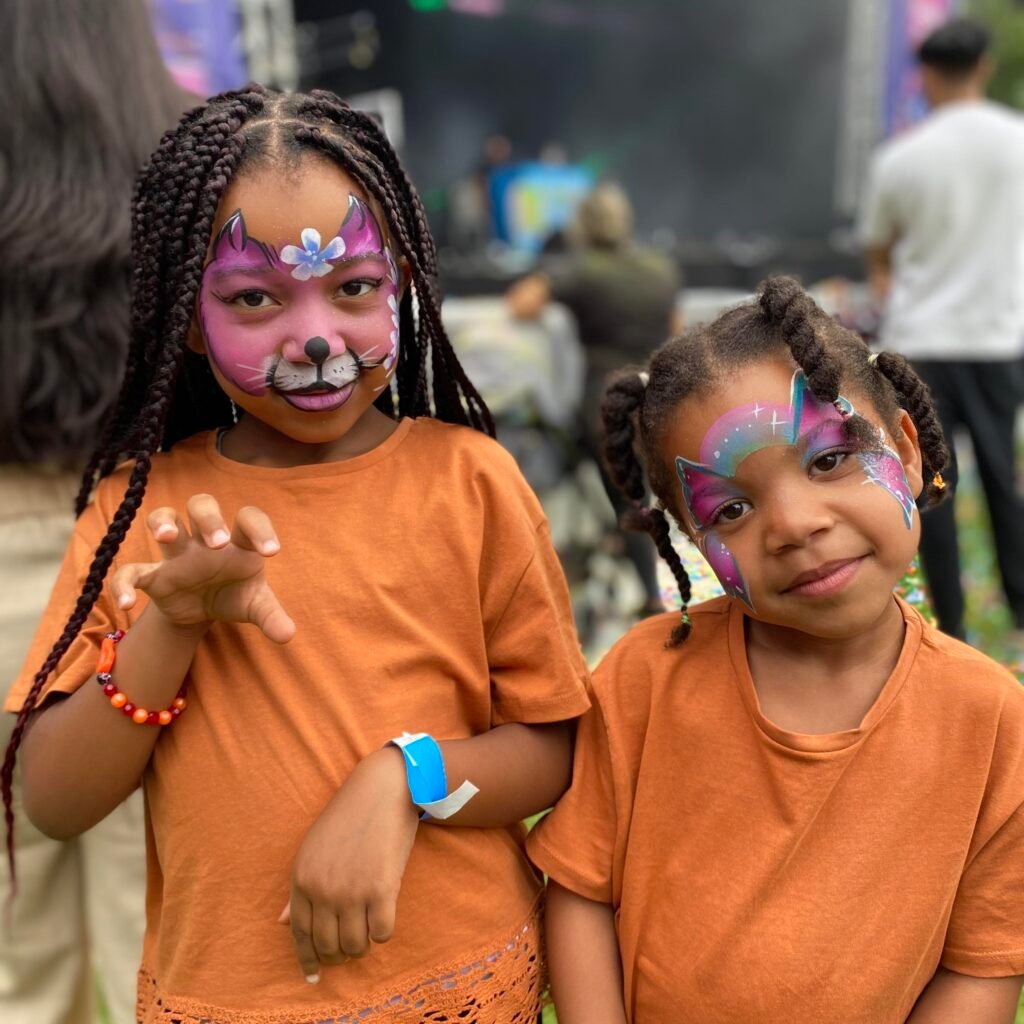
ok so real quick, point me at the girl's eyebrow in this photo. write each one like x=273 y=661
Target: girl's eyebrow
x=218 y=270
x=219 y=273
x=842 y=425
x=347 y=261
x=725 y=486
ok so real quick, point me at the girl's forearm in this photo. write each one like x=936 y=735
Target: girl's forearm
x=951 y=997
x=583 y=959
x=520 y=770
x=81 y=757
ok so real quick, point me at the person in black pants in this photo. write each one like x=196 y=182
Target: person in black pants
x=943 y=229
x=983 y=398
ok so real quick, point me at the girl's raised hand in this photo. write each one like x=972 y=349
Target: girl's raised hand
x=209 y=573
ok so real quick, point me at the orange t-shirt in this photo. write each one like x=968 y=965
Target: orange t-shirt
x=768 y=876
x=427 y=597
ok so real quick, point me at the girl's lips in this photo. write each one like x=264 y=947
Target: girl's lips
x=319 y=401
x=836 y=576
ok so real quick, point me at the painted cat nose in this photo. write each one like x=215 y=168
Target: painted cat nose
x=317 y=349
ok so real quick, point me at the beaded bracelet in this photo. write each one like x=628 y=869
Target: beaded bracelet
x=140 y=716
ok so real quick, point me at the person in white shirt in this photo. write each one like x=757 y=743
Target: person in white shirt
x=943 y=227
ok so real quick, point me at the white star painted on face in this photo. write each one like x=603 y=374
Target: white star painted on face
x=776 y=422
x=718 y=455
x=757 y=410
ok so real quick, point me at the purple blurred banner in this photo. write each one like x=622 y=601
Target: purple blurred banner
x=909 y=22
x=201 y=43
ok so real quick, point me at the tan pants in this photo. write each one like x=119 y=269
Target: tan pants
x=79 y=912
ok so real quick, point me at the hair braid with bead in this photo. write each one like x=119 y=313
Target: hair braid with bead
x=623 y=400
x=168 y=393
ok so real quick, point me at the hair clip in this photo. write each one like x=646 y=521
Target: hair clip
x=686 y=617
x=873 y=358
x=645 y=377
x=938 y=483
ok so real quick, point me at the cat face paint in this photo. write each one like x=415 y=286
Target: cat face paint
x=304 y=321
x=710 y=490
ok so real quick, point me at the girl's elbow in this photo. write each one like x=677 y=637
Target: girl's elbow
x=54 y=818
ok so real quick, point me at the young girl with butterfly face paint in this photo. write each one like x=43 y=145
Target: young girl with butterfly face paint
x=801 y=802
x=320 y=602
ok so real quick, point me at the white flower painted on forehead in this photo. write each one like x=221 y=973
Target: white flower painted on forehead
x=311 y=260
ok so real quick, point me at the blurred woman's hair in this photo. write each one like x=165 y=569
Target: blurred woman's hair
x=85 y=98
x=604 y=219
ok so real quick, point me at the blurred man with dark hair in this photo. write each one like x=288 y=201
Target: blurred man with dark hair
x=943 y=224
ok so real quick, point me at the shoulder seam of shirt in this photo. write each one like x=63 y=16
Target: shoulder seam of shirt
x=515 y=590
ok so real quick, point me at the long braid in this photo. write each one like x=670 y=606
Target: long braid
x=210 y=168
x=915 y=397
x=785 y=304
x=622 y=404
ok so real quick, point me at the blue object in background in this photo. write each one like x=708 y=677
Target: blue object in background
x=531 y=201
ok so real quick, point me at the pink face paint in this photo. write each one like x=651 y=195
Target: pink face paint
x=306 y=320
x=723 y=564
x=815 y=427
x=885 y=468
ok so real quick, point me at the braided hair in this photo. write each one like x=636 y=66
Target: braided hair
x=168 y=392
x=639 y=405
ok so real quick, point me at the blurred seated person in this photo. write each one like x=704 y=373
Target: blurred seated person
x=623 y=297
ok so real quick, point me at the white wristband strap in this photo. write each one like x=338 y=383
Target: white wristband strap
x=424 y=769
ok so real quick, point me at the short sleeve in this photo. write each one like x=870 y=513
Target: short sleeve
x=575 y=844
x=879 y=222
x=79 y=662
x=537 y=669
x=985 y=937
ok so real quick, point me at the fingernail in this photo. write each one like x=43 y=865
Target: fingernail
x=220 y=537
x=269 y=546
x=312 y=978
x=165 y=531
x=124 y=600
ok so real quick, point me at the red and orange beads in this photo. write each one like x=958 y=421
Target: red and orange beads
x=119 y=700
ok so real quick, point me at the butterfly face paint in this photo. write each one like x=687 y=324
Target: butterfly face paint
x=709 y=487
x=302 y=321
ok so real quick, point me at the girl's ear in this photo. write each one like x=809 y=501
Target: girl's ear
x=909 y=450
x=194 y=339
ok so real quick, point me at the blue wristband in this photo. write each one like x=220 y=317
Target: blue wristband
x=424 y=767
x=428 y=785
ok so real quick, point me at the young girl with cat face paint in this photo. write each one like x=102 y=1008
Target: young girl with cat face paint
x=801 y=802
x=320 y=603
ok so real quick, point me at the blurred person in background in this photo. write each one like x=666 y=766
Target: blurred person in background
x=943 y=224
x=623 y=297
x=86 y=97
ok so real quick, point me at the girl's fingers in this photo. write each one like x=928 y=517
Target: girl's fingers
x=129 y=579
x=302 y=934
x=380 y=920
x=254 y=530
x=266 y=612
x=325 y=937
x=352 y=933
x=168 y=530
x=207 y=520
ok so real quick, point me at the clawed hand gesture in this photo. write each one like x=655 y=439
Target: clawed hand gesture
x=210 y=572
